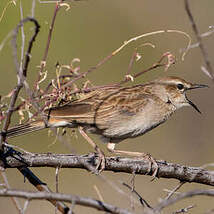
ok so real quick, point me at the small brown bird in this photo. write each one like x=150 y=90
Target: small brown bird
x=117 y=113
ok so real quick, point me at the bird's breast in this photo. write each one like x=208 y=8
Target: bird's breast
x=138 y=124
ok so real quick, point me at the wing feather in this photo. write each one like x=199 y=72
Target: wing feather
x=104 y=107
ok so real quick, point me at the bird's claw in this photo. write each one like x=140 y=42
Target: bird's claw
x=152 y=163
x=101 y=163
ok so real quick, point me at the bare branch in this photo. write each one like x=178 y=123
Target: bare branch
x=184 y=210
x=115 y=164
x=175 y=189
x=41 y=186
x=43 y=63
x=7 y=185
x=198 y=37
x=181 y=196
x=88 y=202
x=143 y=202
x=21 y=74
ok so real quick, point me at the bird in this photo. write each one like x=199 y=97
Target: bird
x=116 y=112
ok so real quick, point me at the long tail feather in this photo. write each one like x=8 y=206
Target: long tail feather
x=25 y=128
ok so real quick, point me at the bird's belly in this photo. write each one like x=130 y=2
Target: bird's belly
x=129 y=130
x=136 y=126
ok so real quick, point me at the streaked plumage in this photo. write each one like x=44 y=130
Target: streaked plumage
x=117 y=113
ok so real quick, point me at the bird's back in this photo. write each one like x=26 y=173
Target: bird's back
x=114 y=112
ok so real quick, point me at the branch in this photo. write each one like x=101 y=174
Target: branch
x=181 y=196
x=199 y=40
x=21 y=74
x=21 y=81
x=43 y=187
x=88 y=202
x=43 y=62
x=7 y=185
x=114 y=164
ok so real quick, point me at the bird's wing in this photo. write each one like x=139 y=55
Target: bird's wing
x=83 y=110
x=121 y=107
x=105 y=107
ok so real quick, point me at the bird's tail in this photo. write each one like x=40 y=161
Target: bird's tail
x=25 y=128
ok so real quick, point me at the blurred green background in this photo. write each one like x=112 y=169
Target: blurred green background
x=91 y=30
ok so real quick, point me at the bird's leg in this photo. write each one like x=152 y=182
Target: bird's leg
x=101 y=165
x=111 y=148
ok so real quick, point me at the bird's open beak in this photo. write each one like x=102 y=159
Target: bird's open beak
x=194 y=86
x=193 y=105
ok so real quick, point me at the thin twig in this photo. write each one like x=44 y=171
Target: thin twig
x=198 y=37
x=184 y=210
x=160 y=63
x=82 y=75
x=195 y=45
x=32 y=40
x=181 y=196
x=43 y=62
x=7 y=185
x=98 y=193
x=23 y=38
x=174 y=190
x=21 y=74
x=41 y=186
x=2 y=44
x=57 y=184
x=143 y=202
x=27 y=202
x=133 y=57
x=33 y=8
x=5 y=8
x=57 y=179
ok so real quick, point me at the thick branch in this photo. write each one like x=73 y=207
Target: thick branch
x=115 y=164
x=88 y=202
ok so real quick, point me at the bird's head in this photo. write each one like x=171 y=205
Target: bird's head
x=175 y=89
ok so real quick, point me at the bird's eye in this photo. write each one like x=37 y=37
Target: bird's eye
x=180 y=86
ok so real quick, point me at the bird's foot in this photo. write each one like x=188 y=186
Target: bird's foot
x=138 y=155
x=152 y=164
x=101 y=162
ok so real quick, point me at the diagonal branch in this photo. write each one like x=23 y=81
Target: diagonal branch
x=199 y=40
x=42 y=187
